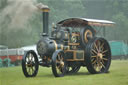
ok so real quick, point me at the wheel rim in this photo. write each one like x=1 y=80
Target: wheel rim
x=100 y=56
x=30 y=64
x=60 y=64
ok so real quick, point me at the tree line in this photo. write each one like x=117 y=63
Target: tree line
x=114 y=10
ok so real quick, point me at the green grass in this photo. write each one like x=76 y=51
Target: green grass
x=118 y=75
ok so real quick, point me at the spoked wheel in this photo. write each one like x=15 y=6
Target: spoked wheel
x=98 y=56
x=58 y=63
x=87 y=34
x=71 y=70
x=30 y=64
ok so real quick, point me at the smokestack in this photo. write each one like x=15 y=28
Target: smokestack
x=45 y=12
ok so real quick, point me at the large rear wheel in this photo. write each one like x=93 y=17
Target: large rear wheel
x=98 y=56
x=30 y=64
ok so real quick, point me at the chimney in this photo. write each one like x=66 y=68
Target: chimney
x=45 y=12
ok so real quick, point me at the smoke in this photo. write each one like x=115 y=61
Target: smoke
x=17 y=13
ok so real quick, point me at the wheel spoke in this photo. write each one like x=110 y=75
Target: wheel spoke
x=59 y=66
x=57 y=61
x=29 y=70
x=94 y=62
x=99 y=47
x=32 y=69
x=96 y=47
x=62 y=59
x=102 y=47
x=102 y=61
x=30 y=56
x=26 y=59
x=92 y=59
x=93 y=56
x=105 y=59
x=98 y=67
x=59 y=57
x=95 y=66
x=103 y=55
x=94 y=51
x=102 y=64
x=104 y=51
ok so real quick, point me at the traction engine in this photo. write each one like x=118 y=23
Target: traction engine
x=72 y=44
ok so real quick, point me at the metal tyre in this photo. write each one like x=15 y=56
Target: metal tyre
x=98 y=56
x=58 y=64
x=30 y=64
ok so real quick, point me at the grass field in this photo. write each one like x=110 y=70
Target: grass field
x=118 y=75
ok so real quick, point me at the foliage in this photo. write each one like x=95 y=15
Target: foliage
x=114 y=10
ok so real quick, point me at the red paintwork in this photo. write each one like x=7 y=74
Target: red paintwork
x=13 y=57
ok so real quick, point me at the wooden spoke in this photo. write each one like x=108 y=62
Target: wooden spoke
x=30 y=57
x=102 y=64
x=104 y=51
x=92 y=59
x=102 y=48
x=105 y=59
x=27 y=59
x=58 y=56
x=99 y=49
x=32 y=69
x=62 y=58
x=99 y=67
x=29 y=70
x=95 y=66
x=103 y=55
x=96 y=47
x=94 y=62
x=59 y=66
x=93 y=56
x=94 y=51
x=102 y=61
x=57 y=61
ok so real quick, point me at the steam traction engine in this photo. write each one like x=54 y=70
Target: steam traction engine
x=72 y=44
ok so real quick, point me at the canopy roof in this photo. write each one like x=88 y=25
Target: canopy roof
x=82 y=22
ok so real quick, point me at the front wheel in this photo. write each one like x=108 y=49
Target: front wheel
x=30 y=64
x=98 y=56
x=58 y=63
